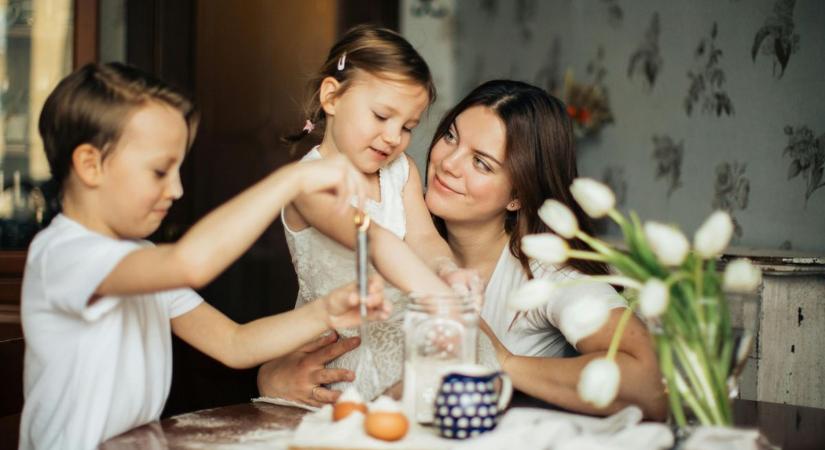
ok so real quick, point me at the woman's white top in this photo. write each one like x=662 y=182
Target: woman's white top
x=541 y=331
x=322 y=265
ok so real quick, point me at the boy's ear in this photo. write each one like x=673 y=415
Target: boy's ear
x=328 y=93
x=87 y=163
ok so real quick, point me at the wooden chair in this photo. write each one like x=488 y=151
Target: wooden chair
x=11 y=390
x=12 y=347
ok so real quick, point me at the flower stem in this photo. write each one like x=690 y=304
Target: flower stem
x=622 y=262
x=617 y=217
x=617 y=334
x=666 y=365
x=699 y=291
x=590 y=256
x=697 y=408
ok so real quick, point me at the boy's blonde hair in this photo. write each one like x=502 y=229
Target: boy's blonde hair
x=378 y=51
x=92 y=105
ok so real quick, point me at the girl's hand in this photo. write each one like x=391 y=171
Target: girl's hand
x=336 y=175
x=462 y=281
x=343 y=306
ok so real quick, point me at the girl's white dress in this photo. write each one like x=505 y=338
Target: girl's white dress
x=323 y=265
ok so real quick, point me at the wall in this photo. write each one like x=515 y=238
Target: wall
x=700 y=120
x=432 y=31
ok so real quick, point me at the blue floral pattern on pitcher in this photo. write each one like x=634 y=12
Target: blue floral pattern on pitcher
x=467 y=403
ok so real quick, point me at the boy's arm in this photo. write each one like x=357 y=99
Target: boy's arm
x=253 y=343
x=218 y=239
x=392 y=257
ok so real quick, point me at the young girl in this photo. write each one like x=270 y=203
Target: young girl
x=98 y=303
x=367 y=98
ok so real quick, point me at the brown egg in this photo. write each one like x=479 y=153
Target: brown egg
x=343 y=409
x=385 y=425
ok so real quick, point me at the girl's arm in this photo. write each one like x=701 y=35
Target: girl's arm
x=253 y=343
x=555 y=380
x=393 y=258
x=226 y=233
x=424 y=239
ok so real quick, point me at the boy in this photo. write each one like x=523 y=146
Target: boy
x=98 y=302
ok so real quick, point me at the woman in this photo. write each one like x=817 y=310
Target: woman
x=494 y=159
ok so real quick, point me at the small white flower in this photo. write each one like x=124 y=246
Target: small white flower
x=531 y=294
x=714 y=235
x=741 y=276
x=667 y=242
x=545 y=247
x=583 y=317
x=559 y=218
x=599 y=382
x=595 y=198
x=653 y=298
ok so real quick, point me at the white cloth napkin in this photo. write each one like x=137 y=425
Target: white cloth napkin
x=532 y=428
x=723 y=438
x=522 y=428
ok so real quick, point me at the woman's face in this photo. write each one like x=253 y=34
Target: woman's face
x=466 y=177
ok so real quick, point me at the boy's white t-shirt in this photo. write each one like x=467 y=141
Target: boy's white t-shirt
x=91 y=371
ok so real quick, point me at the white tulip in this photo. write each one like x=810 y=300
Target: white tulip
x=741 y=276
x=714 y=235
x=668 y=243
x=599 y=382
x=531 y=295
x=545 y=247
x=595 y=198
x=583 y=317
x=653 y=298
x=559 y=218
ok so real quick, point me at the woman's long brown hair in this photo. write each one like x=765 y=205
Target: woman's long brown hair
x=540 y=158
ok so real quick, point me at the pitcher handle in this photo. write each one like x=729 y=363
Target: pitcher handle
x=506 y=392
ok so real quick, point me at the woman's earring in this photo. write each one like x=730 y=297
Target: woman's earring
x=514 y=205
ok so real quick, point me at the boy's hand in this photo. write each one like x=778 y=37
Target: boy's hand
x=337 y=175
x=343 y=306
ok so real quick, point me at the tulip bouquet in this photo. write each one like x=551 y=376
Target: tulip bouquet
x=676 y=289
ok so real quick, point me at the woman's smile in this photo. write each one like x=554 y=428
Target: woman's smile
x=441 y=185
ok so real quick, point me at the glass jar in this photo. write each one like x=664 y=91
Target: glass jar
x=439 y=331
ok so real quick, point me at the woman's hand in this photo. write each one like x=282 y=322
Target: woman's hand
x=343 y=304
x=300 y=376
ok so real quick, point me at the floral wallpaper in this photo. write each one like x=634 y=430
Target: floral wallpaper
x=714 y=104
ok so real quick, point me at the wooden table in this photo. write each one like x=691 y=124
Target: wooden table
x=790 y=427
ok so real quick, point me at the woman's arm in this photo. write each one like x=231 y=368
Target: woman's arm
x=227 y=232
x=555 y=380
x=253 y=343
x=301 y=375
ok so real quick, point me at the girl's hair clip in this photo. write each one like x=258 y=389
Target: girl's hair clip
x=342 y=61
x=309 y=126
